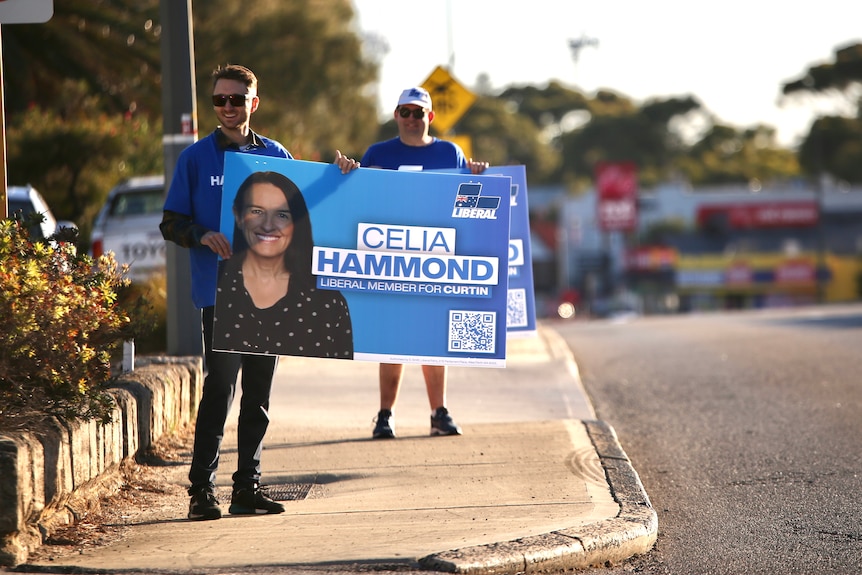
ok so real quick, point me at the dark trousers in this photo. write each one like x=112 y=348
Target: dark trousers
x=219 y=389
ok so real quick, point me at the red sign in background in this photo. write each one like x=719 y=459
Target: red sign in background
x=617 y=187
x=762 y=215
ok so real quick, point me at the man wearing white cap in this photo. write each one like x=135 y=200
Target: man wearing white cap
x=416 y=149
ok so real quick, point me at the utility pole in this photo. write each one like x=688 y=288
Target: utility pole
x=450 y=37
x=578 y=44
x=4 y=201
x=820 y=266
x=179 y=126
x=564 y=255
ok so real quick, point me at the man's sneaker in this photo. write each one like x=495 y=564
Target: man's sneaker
x=383 y=428
x=252 y=501
x=442 y=424
x=204 y=505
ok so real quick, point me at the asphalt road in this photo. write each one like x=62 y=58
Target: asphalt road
x=745 y=429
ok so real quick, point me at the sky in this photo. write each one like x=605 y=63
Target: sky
x=732 y=56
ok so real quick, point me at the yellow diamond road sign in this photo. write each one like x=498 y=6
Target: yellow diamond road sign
x=449 y=99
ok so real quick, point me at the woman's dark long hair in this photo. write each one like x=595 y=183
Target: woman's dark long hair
x=297 y=258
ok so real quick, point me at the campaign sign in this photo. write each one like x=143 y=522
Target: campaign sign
x=521 y=314
x=420 y=258
x=521 y=308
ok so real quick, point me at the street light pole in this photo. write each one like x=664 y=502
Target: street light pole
x=578 y=44
x=820 y=265
x=4 y=202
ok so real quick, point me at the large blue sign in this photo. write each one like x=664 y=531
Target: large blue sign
x=420 y=259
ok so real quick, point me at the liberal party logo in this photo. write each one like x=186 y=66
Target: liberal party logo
x=469 y=203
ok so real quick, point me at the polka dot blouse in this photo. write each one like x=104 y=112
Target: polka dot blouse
x=307 y=322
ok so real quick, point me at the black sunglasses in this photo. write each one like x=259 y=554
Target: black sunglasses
x=236 y=100
x=417 y=113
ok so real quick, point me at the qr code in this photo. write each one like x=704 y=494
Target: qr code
x=472 y=331
x=516 y=308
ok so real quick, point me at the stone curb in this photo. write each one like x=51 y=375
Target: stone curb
x=53 y=477
x=632 y=532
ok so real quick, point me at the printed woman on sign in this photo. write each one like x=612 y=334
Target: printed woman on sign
x=267 y=301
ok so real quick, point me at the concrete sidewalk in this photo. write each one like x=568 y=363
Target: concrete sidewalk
x=535 y=483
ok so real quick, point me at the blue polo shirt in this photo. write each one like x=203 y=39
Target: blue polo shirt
x=196 y=190
x=392 y=154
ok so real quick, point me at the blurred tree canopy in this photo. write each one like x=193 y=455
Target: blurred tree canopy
x=839 y=75
x=834 y=143
x=725 y=155
x=562 y=133
x=834 y=146
x=85 y=110
x=111 y=46
x=502 y=137
x=74 y=154
x=310 y=65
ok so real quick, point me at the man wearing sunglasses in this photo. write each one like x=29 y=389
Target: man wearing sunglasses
x=415 y=149
x=191 y=218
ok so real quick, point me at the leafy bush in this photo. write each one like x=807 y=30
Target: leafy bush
x=64 y=315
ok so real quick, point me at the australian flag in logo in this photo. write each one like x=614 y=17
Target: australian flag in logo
x=469 y=197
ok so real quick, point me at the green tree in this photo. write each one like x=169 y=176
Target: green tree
x=833 y=143
x=608 y=126
x=86 y=110
x=306 y=53
x=502 y=137
x=556 y=113
x=545 y=106
x=728 y=155
x=310 y=64
x=835 y=76
x=112 y=46
x=620 y=131
x=82 y=152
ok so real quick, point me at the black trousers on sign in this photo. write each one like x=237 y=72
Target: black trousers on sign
x=222 y=369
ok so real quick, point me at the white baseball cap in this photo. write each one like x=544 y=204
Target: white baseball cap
x=416 y=96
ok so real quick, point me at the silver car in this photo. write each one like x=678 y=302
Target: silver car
x=128 y=226
x=25 y=200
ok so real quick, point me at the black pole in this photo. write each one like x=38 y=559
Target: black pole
x=179 y=124
x=820 y=259
x=4 y=201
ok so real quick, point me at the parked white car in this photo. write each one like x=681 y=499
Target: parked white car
x=128 y=226
x=27 y=200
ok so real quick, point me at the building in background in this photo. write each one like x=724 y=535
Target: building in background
x=706 y=248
